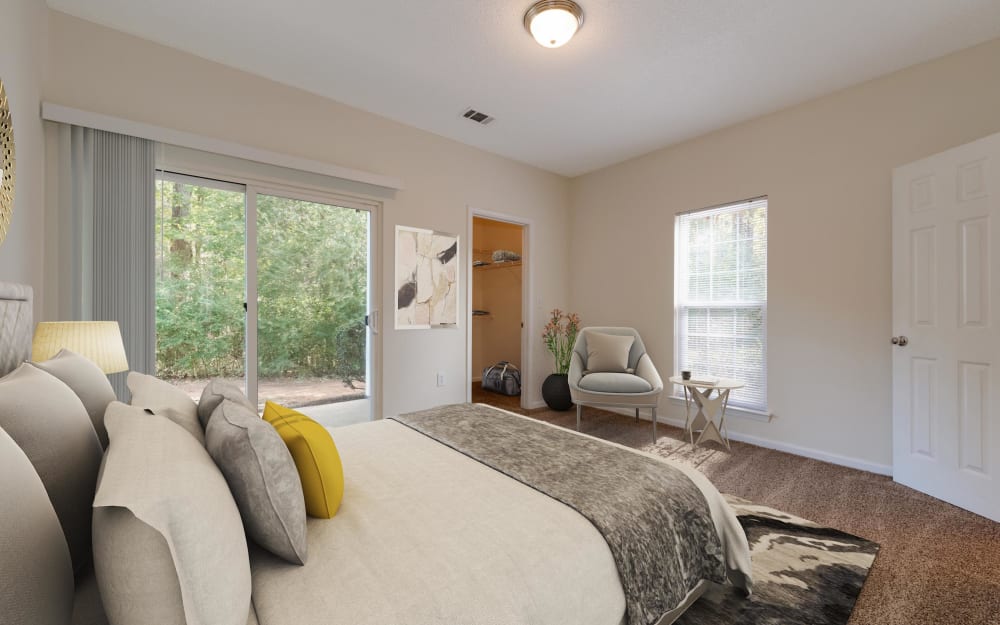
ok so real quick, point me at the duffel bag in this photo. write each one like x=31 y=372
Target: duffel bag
x=503 y=378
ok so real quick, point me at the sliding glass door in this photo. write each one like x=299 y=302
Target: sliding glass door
x=312 y=294
x=269 y=288
x=200 y=281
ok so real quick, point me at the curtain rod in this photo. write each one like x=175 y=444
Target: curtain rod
x=77 y=117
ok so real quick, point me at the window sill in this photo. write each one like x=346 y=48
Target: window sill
x=764 y=416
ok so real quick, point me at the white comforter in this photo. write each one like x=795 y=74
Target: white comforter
x=428 y=536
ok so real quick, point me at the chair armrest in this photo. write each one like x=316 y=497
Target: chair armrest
x=645 y=370
x=575 y=370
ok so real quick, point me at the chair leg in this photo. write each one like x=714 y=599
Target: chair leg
x=636 y=414
x=654 y=424
x=579 y=409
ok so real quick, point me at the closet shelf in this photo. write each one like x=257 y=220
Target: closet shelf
x=498 y=265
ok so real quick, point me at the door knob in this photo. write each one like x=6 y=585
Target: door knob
x=900 y=340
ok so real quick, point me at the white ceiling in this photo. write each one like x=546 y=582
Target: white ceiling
x=640 y=74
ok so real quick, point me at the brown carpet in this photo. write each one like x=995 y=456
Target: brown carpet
x=937 y=565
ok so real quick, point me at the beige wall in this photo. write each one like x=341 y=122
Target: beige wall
x=22 y=51
x=826 y=166
x=101 y=70
x=499 y=290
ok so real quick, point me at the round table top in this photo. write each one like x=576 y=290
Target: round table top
x=719 y=383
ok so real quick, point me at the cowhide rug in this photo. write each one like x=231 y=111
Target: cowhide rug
x=804 y=574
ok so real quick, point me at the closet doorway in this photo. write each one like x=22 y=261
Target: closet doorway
x=498 y=300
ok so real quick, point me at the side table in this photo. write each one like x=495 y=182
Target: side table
x=710 y=419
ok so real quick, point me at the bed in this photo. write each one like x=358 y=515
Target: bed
x=431 y=533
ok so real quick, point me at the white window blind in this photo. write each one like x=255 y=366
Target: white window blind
x=720 y=296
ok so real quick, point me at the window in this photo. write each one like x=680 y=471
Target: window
x=720 y=295
x=268 y=286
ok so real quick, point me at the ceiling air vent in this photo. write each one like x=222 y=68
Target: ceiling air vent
x=477 y=116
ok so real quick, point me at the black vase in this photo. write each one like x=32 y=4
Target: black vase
x=555 y=391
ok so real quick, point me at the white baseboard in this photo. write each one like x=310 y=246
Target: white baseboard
x=806 y=452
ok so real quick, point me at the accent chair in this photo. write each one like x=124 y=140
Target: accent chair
x=610 y=367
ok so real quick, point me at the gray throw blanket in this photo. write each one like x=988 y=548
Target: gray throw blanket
x=653 y=517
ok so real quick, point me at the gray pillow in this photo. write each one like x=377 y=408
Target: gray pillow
x=165 y=399
x=608 y=352
x=262 y=477
x=169 y=545
x=48 y=421
x=89 y=383
x=215 y=391
x=37 y=573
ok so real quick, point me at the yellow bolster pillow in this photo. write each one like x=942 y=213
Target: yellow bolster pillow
x=315 y=456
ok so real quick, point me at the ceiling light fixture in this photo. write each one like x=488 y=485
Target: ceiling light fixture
x=553 y=22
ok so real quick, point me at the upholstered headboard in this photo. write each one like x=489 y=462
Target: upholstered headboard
x=15 y=325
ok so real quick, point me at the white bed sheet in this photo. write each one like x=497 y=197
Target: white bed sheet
x=428 y=536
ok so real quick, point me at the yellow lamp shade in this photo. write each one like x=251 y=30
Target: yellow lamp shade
x=99 y=341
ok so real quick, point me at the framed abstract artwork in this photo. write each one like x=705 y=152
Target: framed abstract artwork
x=427 y=279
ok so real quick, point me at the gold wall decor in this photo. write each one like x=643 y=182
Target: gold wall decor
x=6 y=164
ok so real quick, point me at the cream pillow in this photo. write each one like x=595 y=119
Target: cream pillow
x=48 y=421
x=162 y=398
x=608 y=353
x=89 y=383
x=169 y=545
x=37 y=571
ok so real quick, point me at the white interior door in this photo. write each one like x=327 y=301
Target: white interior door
x=946 y=348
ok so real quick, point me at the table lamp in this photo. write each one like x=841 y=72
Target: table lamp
x=99 y=341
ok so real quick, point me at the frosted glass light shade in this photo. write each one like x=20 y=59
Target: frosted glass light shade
x=99 y=341
x=553 y=22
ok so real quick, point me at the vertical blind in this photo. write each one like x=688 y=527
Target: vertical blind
x=721 y=297
x=123 y=287
x=103 y=265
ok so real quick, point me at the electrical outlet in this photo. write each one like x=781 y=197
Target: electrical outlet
x=440 y=378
